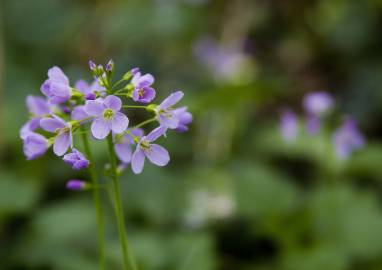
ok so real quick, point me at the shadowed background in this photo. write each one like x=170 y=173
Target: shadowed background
x=235 y=195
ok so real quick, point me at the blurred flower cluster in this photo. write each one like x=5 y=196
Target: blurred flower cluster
x=317 y=105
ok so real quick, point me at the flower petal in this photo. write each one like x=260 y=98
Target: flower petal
x=62 y=143
x=123 y=152
x=82 y=86
x=170 y=121
x=51 y=124
x=113 y=102
x=119 y=123
x=146 y=80
x=57 y=75
x=79 y=113
x=158 y=155
x=100 y=128
x=37 y=105
x=156 y=133
x=171 y=99
x=94 y=107
x=137 y=161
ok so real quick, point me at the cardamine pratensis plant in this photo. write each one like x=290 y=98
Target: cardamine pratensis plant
x=100 y=108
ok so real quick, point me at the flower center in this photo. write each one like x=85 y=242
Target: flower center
x=140 y=92
x=145 y=145
x=108 y=114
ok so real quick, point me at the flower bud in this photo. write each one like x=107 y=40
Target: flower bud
x=77 y=185
x=92 y=65
x=110 y=66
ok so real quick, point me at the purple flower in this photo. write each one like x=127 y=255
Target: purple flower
x=56 y=88
x=347 y=139
x=134 y=71
x=89 y=91
x=142 y=90
x=185 y=118
x=76 y=159
x=165 y=113
x=154 y=152
x=35 y=145
x=288 y=126
x=313 y=124
x=107 y=116
x=109 y=65
x=317 y=103
x=38 y=107
x=77 y=185
x=79 y=113
x=122 y=145
x=92 y=65
x=64 y=137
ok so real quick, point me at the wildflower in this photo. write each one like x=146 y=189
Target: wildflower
x=165 y=113
x=77 y=185
x=76 y=159
x=38 y=107
x=109 y=66
x=35 y=145
x=185 y=118
x=122 y=146
x=92 y=65
x=89 y=91
x=56 y=88
x=142 y=90
x=64 y=137
x=79 y=113
x=288 y=126
x=347 y=139
x=317 y=103
x=107 y=116
x=154 y=152
x=313 y=124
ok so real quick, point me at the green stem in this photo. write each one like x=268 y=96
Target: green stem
x=144 y=123
x=134 y=106
x=128 y=261
x=97 y=204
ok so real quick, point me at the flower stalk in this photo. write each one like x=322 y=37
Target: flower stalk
x=128 y=261
x=97 y=203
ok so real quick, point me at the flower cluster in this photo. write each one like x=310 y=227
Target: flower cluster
x=317 y=105
x=99 y=107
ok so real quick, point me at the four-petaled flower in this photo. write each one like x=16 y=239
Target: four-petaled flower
x=142 y=90
x=154 y=152
x=76 y=159
x=107 y=116
x=64 y=137
x=56 y=88
x=122 y=145
x=166 y=115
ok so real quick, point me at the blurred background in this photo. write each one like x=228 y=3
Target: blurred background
x=237 y=195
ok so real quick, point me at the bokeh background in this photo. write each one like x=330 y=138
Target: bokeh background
x=235 y=195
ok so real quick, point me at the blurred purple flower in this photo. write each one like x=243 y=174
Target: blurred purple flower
x=38 y=107
x=347 y=139
x=185 y=118
x=90 y=91
x=288 y=126
x=122 y=145
x=56 y=88
x=77 y=185
x=313 y=124
x=64 y=137
x=142 y=90
x=317 y=103
x=35 y=145
x=154 y=152
x=76 y=159
x=107 y=116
